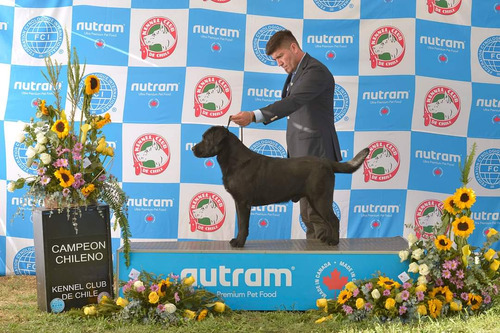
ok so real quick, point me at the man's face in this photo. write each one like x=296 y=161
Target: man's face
x=286 y=57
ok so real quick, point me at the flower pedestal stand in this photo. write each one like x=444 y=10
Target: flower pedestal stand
x=72 y=269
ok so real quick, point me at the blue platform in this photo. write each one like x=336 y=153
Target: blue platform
x=269 y=275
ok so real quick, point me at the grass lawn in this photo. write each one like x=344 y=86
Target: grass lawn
x=19 y=313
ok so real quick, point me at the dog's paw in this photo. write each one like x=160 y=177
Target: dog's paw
x=235 y=242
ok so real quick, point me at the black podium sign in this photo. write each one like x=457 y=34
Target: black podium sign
x=72 y=269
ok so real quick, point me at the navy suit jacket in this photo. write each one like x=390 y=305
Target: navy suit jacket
x=308 y=104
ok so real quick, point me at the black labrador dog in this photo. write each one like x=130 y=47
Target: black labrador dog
x=253 y=179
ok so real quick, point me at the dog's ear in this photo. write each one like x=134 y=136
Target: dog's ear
x=219 y=133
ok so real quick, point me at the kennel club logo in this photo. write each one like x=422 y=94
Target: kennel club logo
x=441 y=107
x=212 y=97
x=427 y=216
x=151 y=154
x=207 y=212
x=382 y=162
x=158 y=38
x=443 y=7
x=387 y=47
x=331 y=278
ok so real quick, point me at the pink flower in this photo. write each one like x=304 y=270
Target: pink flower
x=402 y=310
x=406 y=285
x=177 y=298
x=464 y=296
x=77 y=146
x=355 y=292
x=405 y=294
x=386 y=292
x=61 y=150
x=460 y=274
x=140 y=289
x=66 y=192
x=44 y=180
x=60 y=163
x=446 y=274
x=154 y=287
x=161 y=307
x=102 y=177
x=420 y=295
x=41 y=171
x=347 y=309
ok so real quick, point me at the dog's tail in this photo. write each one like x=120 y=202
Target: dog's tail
x=352 y=165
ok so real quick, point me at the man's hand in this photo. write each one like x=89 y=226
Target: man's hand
x=243 y=118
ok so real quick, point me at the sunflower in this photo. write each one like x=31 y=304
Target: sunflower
x=435 y=306
x=92 y=84
x=387 y=283
x=443 y=291
x=61 y=127
x=65 y=177
x=88 y=189
x=449 y=205
x=463 y=226
x=162 y=287
x=474 y=301
x=464 y=198
x=43 y=108
x=443 y=243
x=344 y=296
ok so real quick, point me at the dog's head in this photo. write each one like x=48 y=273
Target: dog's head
x=212 y=142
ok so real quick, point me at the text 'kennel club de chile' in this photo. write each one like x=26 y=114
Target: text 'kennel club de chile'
x=253 y=179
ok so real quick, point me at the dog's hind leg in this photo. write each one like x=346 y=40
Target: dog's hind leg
x=243 y=216
x=329 y=228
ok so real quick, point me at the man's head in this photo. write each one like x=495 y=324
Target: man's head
x=284 y=48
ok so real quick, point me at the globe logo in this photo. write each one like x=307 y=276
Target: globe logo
x=24 y=261
x=260 y=40
x=489 y=55
x=41 y=36
x=269 y=148
x=19 y=152
x=340 y=102
x=487 y=168
x=105 y=98
x=57 y=305
x=331 y=5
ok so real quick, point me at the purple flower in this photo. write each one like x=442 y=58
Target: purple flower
x=102 y=177
x=60 y=163
x=406 y=285
x=176 y=297
x=405 y=294
x=447 y=264
x=369 y=286
x=439 y=282
x=454 y=265
x=459 y=284
x=486 y=298
x=464 y=296
x=161 y=307
x=420 y=295
x=446 y=274
x=41 y=171
x=66 y=192
x=368 y=306
x=386 y=292
x=355 y=293
x=460 y=274
x=78 y=146
x=347 y=309
x=402 y=310
x=154 y=287
x=140 y=289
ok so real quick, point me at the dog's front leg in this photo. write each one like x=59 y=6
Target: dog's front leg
x=243 y=216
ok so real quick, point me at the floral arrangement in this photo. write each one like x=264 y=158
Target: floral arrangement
x=152 y=299
x=71 y=157
x=450 y=277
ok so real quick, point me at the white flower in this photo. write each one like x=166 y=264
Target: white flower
x=413 y=268
x=21 y=137
x=170 y=308
x=11 y=187
x=45 y=158
x=421 y=280
x=476 y=260
x=417 y=254
x=39 y=148
x=138 y=284
x=423 y=269
x=403 y=255
x=41 y=138
x=375 y=294
x=31 y=152
x=411 y=239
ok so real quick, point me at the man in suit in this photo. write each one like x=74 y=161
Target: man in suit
x=307 y=101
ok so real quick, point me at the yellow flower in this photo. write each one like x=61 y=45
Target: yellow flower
x=443 y=243
x=101 y=145
x=85 y=128
x=43 y=108
x=421 y=287
x=464 y=198
x=463 y=226
x=109 y=151
x=88 y=189
x=465 y=254
x=90 y=310
x=99 y=122
x=350 y=286
x=422 y=310
x=491 y=232
x=387 y=283
x=360 y=303
x=65 y=177
x=443 y=291
x=390 y=303
x=189 y=280
x=494 y=265
x=202 y=315
x=219 y=307
x=92 y=84
x=449 y=205
x=456 y=306
x=162 y=287
x=489 y=254
x=61 y=127
x=153 y=297
x=435 y=306
x=189 y=314
x=344 y=296
x=121 y=302
x=474 y=301
x=321 y=303
x=323 y=319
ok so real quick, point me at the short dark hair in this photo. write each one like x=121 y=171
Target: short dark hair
x=282 y=38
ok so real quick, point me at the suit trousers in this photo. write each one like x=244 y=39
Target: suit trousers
x=313 y=222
